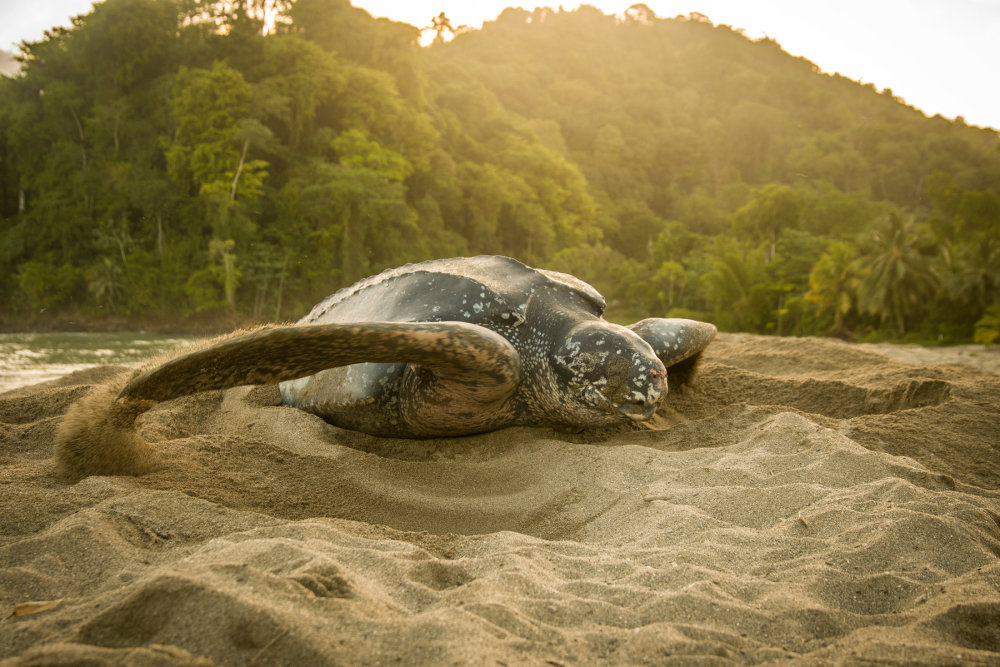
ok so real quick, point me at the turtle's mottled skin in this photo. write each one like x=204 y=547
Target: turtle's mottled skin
x=445 y=347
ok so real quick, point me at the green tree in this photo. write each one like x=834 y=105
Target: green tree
x=178 y=156
x=301 y=78
x=833 y=284
x=49 y=286
x=895 y=279
x=988 y=326
x=208 y=151
x=772 y=209
x=735 y=287
x=596 y=264
x=106 y=281
x=977 y=272
x=377 y=227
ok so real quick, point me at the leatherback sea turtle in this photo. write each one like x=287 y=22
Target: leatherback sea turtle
x=444 y=347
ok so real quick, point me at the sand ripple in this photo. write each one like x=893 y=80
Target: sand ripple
x=806 y=501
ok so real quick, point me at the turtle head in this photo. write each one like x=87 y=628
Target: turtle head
x=609 y=373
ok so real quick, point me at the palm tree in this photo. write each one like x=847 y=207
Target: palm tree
x=988 y=327
x=896 y=279
x=440 y=24
x=735 y=288
x=106 y=283
x=833 y=283
x=978 y=271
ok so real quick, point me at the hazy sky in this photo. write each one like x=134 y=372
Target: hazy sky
x=941 y=56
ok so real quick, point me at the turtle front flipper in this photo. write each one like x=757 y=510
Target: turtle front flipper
x=478 y=363
x=677 y=342
x=464 y=364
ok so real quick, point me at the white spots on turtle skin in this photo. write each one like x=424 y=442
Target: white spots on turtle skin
x=522 y=311
x=571 y=344
x=581 y=362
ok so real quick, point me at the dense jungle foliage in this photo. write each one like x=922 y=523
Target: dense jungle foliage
x=169 y=158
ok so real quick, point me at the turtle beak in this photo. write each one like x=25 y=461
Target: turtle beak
x=638 y=411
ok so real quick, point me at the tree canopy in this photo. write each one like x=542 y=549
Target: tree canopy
x=162 y=158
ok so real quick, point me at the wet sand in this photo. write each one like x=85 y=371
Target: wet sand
x=806 y=500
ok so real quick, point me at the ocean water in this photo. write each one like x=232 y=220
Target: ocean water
x=36 y=357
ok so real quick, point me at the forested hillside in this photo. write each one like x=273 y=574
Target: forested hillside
x=167 y=158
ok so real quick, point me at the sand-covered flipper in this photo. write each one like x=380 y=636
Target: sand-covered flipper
x=98 y=436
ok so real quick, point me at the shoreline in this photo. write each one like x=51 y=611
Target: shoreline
x=182 y=326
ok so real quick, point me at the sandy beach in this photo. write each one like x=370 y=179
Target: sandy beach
x=804 y=501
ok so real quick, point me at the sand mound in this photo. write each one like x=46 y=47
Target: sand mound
x=805 y=500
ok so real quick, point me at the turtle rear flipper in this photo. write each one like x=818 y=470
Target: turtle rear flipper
x=677 y=342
